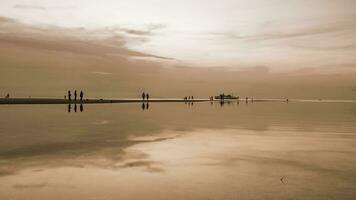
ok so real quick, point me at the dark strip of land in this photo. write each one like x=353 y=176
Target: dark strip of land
x=87 y=101
x=133 y=100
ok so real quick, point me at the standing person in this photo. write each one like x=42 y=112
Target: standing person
x=143 y=96
x=69 y=95
x=192 y=97
x=75 y=95
x=147 y=96
x=81 y=95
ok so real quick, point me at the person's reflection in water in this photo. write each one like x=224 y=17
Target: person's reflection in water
x=69 y=107
x=222 y=103
x=75 y=107
x=147 y=106
x=143 y=106
x=81 y=108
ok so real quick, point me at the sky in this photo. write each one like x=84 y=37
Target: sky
x=119 y=48
x=280 y=34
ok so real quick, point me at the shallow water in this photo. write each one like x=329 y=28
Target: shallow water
x=179 y=151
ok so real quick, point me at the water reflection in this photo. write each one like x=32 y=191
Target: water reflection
x=81 y=108
x=145 y=106
x=169 y=153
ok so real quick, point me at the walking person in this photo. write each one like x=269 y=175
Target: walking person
x=75 y=95
x=143 y=96
x=69 y=95
x=147 y=96
x=81 y=95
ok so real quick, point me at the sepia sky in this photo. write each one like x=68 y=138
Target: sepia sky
x=279 y=34
x=274 y=48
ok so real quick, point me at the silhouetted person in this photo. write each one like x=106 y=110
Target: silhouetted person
x=7 y=96
x=65 y=96
x=75 y=95
x=143 y=96
x=81 y=108
x=147 y=96
x=81 y=95
x=75 y=107
x=188 y=97
x=69 y=108
x=192 y=97
x=69 y=95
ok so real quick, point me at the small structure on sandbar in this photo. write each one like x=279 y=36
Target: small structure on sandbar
x=224 y=96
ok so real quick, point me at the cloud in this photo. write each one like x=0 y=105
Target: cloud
x=40 y=185
x=348 y=47
x=102 y=73
x=104 y=42
x=151 y=166
x=32 y=7
x=337 y=26
x=29 y=186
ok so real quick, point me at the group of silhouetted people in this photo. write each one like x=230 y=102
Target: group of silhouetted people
x=189 y=98
x=81 y=95
x=145 y=96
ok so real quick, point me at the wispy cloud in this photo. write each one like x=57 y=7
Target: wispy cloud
x=337 y=26
x=102 y=73
x=33 y=7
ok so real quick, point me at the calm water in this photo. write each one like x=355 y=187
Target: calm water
x=178 y=151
